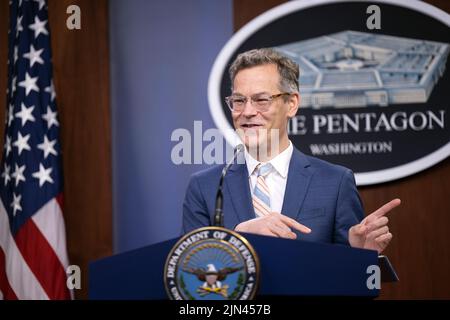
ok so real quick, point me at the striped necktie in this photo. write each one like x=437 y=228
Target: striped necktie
x=261 y=194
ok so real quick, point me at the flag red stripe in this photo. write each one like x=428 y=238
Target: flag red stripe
x=42 y=260
x=59 y=199
x=8 y=292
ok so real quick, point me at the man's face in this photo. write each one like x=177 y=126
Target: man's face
x=257 y=80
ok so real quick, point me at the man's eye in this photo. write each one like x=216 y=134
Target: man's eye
x=262 y=100
x=239 y=101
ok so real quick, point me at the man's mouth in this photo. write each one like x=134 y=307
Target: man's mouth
x=251 y=125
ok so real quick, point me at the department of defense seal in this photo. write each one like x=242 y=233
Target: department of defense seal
x=211 y=263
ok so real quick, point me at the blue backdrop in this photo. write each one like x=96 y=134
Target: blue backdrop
x=161 y=55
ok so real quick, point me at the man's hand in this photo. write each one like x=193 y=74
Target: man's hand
x=274 y=224
x=373 y=232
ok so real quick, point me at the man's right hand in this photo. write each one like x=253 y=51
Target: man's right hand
x=274 y=224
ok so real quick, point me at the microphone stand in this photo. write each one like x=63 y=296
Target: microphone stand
x=218 y=212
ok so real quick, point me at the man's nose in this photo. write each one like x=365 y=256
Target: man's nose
x=249 y=109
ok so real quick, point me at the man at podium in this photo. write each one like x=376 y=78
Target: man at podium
x=280 y=192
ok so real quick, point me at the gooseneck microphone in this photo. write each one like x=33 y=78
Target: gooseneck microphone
x=218 y=213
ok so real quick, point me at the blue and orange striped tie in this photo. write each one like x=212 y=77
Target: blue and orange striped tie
x=261 y=194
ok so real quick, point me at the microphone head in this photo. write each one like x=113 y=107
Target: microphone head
x=239 y=148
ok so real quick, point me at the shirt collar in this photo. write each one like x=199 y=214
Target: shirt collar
x=280 y=162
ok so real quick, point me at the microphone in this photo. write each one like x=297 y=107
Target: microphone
x=218 y=212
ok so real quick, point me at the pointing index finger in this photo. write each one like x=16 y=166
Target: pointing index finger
x=383 y=210
x=294 y=224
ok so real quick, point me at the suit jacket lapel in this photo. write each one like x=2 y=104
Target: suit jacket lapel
x=239 y=190
x=299 y=177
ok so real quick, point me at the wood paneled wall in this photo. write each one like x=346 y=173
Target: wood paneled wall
x=81 y=77
x=4 y=25
x=420 y=250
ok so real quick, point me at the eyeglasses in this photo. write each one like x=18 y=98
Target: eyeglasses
x=261 y=102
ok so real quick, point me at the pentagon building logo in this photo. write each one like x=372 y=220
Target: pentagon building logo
x=354 y=69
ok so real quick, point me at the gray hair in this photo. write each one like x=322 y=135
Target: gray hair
x=288 y=69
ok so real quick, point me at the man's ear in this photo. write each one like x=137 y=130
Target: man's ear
x=294 y=103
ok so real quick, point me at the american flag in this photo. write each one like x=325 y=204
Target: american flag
x=33 y=255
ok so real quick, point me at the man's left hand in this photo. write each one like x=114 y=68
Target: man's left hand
x=373 y=232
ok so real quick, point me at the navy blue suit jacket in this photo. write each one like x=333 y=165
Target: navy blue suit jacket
x=320 y=195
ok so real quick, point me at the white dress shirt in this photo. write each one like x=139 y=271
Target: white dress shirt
x=276 y=179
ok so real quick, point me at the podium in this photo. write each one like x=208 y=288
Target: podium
x=287 y=268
